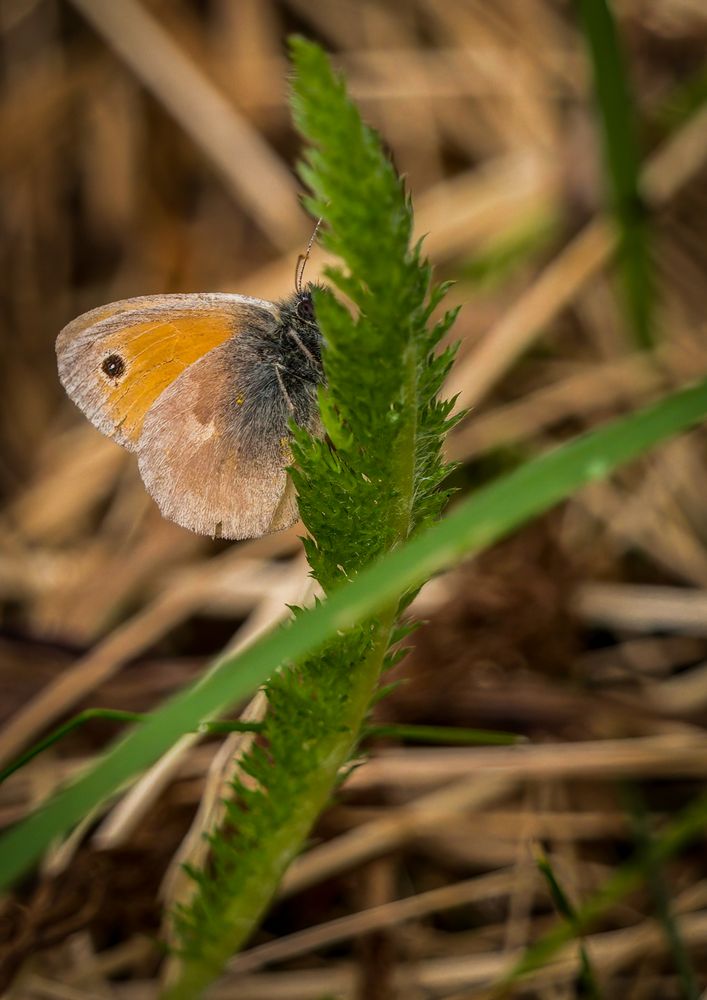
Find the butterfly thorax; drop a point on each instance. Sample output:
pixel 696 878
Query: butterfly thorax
pixel 276 368
pixel 300 339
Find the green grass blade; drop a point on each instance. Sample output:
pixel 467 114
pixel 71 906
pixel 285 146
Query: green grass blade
pixel 622 161
pixel 655 879
pixel 449 735
pixel 587 985
pixel 689 825
pixel 107 714
pixel 476 523
pixel 112 715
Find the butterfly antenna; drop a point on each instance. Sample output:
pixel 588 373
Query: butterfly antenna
pixel 304 257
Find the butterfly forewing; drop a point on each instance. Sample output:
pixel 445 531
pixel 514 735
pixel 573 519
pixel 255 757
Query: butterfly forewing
pixel 115 361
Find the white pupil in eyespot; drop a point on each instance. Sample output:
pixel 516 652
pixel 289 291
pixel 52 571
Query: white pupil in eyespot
pixel 113 366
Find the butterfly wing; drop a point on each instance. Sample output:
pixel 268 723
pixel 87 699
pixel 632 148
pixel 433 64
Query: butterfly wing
pixel 115 361
pixel 215 444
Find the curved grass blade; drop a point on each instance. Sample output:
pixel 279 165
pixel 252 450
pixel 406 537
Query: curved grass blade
pixel 473 525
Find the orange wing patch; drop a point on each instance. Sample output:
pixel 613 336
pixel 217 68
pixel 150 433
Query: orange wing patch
pixel 154 355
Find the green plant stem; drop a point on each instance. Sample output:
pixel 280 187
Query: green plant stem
pixel 247 907
pixel 284 843
pixel 474 524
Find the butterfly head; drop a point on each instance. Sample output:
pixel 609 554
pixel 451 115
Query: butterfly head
pixel 304 306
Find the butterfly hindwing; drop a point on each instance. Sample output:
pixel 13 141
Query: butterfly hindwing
pixel 223 473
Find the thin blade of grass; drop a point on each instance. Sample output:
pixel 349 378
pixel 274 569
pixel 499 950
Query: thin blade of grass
pixel 476 523
pixel 112 715
pixel 587 985
pixel 621 156
pixel 655 879
pixel 689 825
pixel 449 735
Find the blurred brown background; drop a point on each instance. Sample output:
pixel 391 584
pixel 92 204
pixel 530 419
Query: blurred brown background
pixel 147 148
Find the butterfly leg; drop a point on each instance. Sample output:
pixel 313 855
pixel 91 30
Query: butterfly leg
pixel 278 369
pixel 307 353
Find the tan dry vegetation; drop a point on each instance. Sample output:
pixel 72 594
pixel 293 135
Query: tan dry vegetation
pixel 146 147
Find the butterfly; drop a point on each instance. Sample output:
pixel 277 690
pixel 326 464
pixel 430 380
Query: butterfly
pixel 203 387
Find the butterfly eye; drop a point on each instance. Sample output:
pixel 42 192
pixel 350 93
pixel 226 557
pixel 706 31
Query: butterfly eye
pixel 305 308
pixel 113 366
